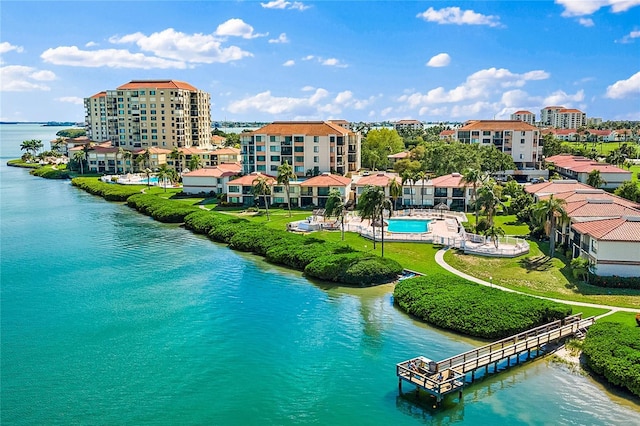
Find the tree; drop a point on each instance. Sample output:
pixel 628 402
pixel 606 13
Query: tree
pixel 472 176
pixel 285 175
pixel 335 207
pixel 31 146
pixel 421 176
pixel 164 173
pixel 127 156
pixel 144 158
pixel 595 179
pixel 176 155
pixel 371 205
pixel 580 268
pixel 409 177
pixel 395 191
pixel 629 190
pixel 547 211
pixel 378 144
pixel 78 156
pixel 195 162
pixel 262 188
pixel 494 232
pixel 119 153
pixel 489 199
pixel 58 143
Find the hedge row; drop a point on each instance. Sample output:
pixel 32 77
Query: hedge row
pixel 615 282
pixel 108 191
pixel 612 350
pixel 317 258
pixel 454 303
pixel 49 172
pixel 159 208
pixel 19 163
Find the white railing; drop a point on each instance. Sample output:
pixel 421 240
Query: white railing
pixel 431 213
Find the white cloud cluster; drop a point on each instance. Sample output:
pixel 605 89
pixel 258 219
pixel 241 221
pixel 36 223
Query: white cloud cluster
pixel 282 38
pixel 316 104
pixel 586 22
pixel 330 62
pixel 19 78
pixel 588 7
pixel 71 100
pixel 439 60
pixel 455 15
pixel 624 88
pixel 164 50
pixel 289 63
pixel 282 4
pixel 629 37
pixel 5 47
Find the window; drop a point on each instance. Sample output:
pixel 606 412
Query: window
pixel 298 148
pixel 299 159
pixel 298 139
pixel 272 139
pixel 299 169
pixel 274 148
pixel 316 159
pixel 521 141
pixel 316 149
pixel 260 148
pixel 316 139
pixel 261 168
pixel 261 158
pixel 258 138
pixel 274 167
pixel 152 92
pixel 275 158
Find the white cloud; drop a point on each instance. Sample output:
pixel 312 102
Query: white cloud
pixel 113 58
pixel 560 97
pixel 439 60
pixel 586 22
pixel 629 37
pixel 71 99
pixel 237 28
pixel 308 58
pixel 178 46
pixel 623 88
pixel 316 103
pixel 91 44
pixel 333 62
pixel 480 84
pixel 289 63
pixel 581 8
pixel 455 15
pixel 282 4
pixel 282 38
pixel 18 78
pixel 5 47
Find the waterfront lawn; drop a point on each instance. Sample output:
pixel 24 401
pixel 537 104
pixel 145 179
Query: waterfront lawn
pixel 587 311
pixel 536 273
pixel 25 165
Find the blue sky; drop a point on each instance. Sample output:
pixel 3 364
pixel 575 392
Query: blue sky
pixel 317 60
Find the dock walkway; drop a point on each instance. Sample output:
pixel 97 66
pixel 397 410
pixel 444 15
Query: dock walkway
pixel 449 375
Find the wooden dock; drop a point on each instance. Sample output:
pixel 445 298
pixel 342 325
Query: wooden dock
pixel 449 375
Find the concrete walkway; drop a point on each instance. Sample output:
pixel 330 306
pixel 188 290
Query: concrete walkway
pixel 440 261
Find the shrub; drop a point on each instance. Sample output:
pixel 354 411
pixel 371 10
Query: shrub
pixel 108 191
pixel 354 268
pixel 49 172
pixel 612 350
pixel 616 282
pixel 451 302
pixel 161 209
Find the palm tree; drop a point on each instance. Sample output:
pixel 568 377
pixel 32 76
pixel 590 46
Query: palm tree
pixel 195 163
pixel 31 146
pixel 547 211
pixel 408 177
pixel 127 156
pixel 57 144
pixel 335 207
pixel 371 205
pixel 489 199
pixel 175 155
pixel 261 187
pixel 78 156
pixel 395 191
pixel 120 154
pixel 164 173
pixel 421 175
pixel 595 179
pixel 285 175
pixel 472 176
pixel 494 232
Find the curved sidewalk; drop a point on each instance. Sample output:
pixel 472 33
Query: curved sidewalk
pixel 440 261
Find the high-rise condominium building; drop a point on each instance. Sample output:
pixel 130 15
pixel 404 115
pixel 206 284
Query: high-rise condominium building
pixel 562 118
pixel 310 147
pixel 150 113
pixel 526 116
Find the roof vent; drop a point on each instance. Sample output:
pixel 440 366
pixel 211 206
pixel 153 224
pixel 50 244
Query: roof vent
pixel 326 174
pixel 380 174
pixel 589 191
pixel 566 181
pixel 631 218
pixel 456 174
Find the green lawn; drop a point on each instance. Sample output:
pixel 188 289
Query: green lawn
pixel 628 318
pixel 536 273
pixel 587 311
pixel 509 223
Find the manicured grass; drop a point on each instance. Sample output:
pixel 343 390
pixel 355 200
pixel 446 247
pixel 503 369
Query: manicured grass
pixel 587 311
pixel 536 273
pixel 627 318
pixel 509 223
pixel 635 169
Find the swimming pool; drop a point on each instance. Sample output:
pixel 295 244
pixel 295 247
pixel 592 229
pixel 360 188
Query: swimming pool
pixel 408 225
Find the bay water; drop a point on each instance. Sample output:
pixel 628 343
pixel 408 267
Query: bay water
pixel 108 317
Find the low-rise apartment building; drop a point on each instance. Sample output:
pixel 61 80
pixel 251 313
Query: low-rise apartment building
pixel 210 179
pixel 408 125
pixel 579 168
pixel 523 115
pixel 310 147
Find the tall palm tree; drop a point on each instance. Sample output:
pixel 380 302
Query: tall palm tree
pixel 421 175
pixel 408 177
pixel 489 199
pixel 262 188
pixel 371 205
pixel 78 157
pixel 285 175
pixel 127 156
pixel 335 207
pixel 164 173
pixel 547 211
pixel 472 176
pixel 195 163
pixel 175 155
pixel 395 191
pixel 120 154
pixel 494 232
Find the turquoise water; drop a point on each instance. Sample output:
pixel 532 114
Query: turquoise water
pixel 408 225
pixel 108 317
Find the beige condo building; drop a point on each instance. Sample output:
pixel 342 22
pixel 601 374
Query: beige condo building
pixel 150 113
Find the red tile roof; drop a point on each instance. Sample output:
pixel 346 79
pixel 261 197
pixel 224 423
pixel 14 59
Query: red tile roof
pixel 408 122
pixel 378 179
pixel 247 180
pixel 590 194
pixel 583 164
pixel 555 187
pixel 312 128
pixel 497 125
pixel 226 151
pixel 403 154
pixel 454 180
pixel 152 150
pixel 523 112
pixel 622 229
pixel 447 133
pixel 567 110
pixel 193 151
pixel 157 84
pixel 325 180
pixel 216 172
pixel 100 95
pixel 598 207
